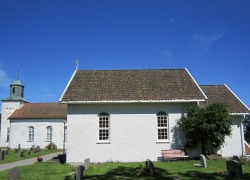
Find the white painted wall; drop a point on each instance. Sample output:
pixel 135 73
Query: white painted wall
pixel 233 145
pixel 8 107
pixel 19 132
pixel 133 132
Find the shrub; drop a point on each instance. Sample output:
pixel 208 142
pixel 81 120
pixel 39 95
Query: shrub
pixel 70 176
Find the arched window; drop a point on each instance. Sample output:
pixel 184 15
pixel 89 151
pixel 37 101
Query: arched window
pixel 31 133
pixel 104 127
pixel 162 126
pixel 49 133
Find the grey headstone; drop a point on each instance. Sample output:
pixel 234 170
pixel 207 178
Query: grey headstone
pixel 203 161
pixel 22 153
pixel 86 163
pixel 234 168
pixel 2 155
pixel 14 174
pixel 79 172
pixel 149 167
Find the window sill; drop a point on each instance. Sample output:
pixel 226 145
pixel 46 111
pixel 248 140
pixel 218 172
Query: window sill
pixel 103 142
pixel 30 141
pixel 162 141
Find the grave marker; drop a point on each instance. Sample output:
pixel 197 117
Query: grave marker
pixel 86 163
pixel 149 167
pixel 79 172
pixel 203 161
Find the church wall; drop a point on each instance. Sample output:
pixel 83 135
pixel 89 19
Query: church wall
pixel 19 132
pixel 133 132
pixel 8 107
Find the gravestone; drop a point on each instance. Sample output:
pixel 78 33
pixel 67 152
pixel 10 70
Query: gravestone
pixel 22 153
pixel 2 155
pixel 79 172
pixel 203 161
pixel 149 167
pixel 86 163
pixel 14 174
pixel 234 168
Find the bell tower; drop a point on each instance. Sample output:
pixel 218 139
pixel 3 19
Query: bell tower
pixel 9 105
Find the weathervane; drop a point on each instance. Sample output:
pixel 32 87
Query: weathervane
pixel 76 64
pixel 18 75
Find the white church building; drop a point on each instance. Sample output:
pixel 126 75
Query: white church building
pixel 25 124
pixel 117 115
pixel 131 115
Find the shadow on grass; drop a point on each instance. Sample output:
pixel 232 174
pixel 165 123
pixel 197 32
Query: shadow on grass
pixel 123 172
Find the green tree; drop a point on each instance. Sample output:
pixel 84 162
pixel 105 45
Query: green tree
pixel 206 126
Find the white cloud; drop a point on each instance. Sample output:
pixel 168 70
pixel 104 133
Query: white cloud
pixel 171 20
pixel 48 98
pixel 204 42
pixel 4 82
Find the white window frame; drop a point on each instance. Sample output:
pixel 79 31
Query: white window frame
pixel 162 123
pixel 31 136
pixel 103 128
pixel 49 133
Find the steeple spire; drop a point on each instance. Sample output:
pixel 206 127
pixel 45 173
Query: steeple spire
pixel 17 78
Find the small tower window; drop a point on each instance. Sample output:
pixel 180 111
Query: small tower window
pixel 13 90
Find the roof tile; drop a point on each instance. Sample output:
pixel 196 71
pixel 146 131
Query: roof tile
pixel 220 93
pixel 132 85
pixel 40 111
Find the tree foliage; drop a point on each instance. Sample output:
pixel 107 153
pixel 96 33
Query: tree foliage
pixel 207 126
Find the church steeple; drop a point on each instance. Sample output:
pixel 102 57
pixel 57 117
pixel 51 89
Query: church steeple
pixel 16 91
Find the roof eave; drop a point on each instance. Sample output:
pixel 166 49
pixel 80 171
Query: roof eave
pixel 241 114
pixel 67 85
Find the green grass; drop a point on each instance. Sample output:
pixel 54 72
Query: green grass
pixel 163 170
pixel 12 156
pixel 41 171
pixel 177 170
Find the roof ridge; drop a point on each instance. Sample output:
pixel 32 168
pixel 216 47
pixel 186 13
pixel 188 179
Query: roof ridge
pixel 155 69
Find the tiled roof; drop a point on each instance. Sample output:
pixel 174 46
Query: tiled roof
pixel 221 93
pixel 40 111
pixel 132 85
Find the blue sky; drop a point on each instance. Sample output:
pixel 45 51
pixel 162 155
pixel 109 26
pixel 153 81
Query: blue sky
pixel 43 38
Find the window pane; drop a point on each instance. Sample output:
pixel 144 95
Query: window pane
pixel 162 124
pixel 103 126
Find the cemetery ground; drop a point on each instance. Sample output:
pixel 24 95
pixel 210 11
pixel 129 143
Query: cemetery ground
pixel 171 170
pixel 16 156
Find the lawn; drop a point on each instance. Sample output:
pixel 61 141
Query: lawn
pixel 12 156
pixel 163 170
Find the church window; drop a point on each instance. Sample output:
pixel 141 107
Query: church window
pixel 162 126
pixel 49 133
pixel 104 131
pixel 13 90
pixel 31 133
